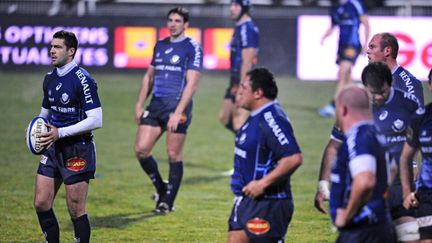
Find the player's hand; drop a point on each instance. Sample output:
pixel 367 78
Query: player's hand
pixel 138 114
pixel 254 189
pixel 411 201
pixel 319 202
pixel 341 218
pixel 48 138
pixel 173 122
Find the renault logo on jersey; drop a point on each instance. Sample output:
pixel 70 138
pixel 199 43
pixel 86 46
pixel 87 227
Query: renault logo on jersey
pixel 398 126
pixel 65 98
pixel 383 115
pixel 175 59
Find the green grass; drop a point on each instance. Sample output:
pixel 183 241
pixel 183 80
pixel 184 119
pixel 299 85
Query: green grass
pixel 119 199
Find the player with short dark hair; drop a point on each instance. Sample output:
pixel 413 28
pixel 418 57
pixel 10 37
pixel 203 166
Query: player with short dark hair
pixel 243 56
pixel 419 138
pixel 266 155
pixel 72 107
pixel 173 77
pixel 347 14
pixel 360 176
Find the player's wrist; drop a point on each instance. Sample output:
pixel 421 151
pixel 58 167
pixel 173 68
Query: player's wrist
pixel 324 188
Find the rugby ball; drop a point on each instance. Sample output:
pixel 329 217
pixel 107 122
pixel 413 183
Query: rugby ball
pixel 35 128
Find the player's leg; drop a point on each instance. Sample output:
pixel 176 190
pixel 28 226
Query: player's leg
pixel 174 145
pixel 146 138
pixel 344 75
pixel 76 198
pixel 45 191
pixel 237 236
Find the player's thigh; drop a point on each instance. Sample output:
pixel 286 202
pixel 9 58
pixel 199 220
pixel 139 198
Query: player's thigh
pixel 174 145
pixel 45 191
pixel 76 198
pixel 237 236
pixel 146 137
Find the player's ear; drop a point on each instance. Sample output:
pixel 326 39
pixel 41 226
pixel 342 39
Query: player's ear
pixel 71 51
pixel 259 93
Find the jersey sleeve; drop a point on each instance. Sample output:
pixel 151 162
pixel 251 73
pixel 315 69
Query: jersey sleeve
pixel 195 56
pixel 358 6
pixel 152 63
pixel 249 36
pixel 279 136
pixel 337 135
pixel 45 101
pixel 87 89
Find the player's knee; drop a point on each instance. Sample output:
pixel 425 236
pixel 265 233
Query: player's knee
pixel 41 205
pixel 141 152
pixel 174 155
pixel 408 231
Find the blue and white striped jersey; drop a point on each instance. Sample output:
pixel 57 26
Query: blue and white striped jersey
pixel 362 141
pixel 347 17
pixel 246 35
pixel 171 60
pixel 69 96
pixel 264 139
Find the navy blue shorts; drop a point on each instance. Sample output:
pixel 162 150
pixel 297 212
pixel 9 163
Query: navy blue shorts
pixel 267 219
pixel 376 233
pixel 70 159
pixel 424 212
pixel 348 53
pixel 396 203
pixel 159 110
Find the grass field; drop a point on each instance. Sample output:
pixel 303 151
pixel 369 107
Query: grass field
pixel 119 199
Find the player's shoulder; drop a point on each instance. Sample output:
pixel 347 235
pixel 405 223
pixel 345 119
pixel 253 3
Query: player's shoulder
pixel 274 115
pixel 192 43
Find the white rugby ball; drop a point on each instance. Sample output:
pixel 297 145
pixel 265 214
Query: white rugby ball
pixel 35 128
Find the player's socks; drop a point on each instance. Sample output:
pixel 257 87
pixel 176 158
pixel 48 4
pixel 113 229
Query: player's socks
pixel 49 225
pixel 150 166
pixel 82 229
pixel 174 181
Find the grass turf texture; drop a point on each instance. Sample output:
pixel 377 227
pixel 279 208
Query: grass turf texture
pixel 119 202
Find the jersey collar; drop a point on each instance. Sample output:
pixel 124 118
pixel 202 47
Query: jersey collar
pixel 62 71
pixel 263 107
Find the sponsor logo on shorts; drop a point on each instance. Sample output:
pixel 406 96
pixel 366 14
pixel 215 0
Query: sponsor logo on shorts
pixel 43 159
pixel 76 164
pixel 258 226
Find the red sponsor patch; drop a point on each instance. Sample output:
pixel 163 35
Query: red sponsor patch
pixel 258 226
pixel 76 164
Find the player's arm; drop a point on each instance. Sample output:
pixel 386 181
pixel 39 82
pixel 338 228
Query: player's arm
pixel 192 77
pixel 328 32
pixel 323 190
pixel 286 167
pixel 407 156
pixel 146 87
pixel 248 57
pixel 363 171
pixel 365 21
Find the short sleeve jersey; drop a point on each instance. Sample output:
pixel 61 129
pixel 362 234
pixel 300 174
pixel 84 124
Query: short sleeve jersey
pixel 69 96
pixel 421 138
pixel 264 139
pixel 347 17
pixel 363 139
pixel 405 81
pixel 394 117
pixel 246 35
pixel 171 60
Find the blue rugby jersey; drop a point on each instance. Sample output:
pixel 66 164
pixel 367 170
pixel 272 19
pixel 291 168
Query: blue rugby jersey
pixel 394 117
pixel 405 81
pixel 246 35
pixel 171 60
pixel 347 17
pixel 422 139
pixel 362 139
pixel 265 138
pixel 69 96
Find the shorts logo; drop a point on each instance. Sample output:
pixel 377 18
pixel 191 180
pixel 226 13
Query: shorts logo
pixel 258 226
pixel 145 114
pixel 43 159
pixel 183 118
pixel 76 164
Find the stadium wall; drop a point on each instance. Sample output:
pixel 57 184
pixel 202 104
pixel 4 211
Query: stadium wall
pixel 118 44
